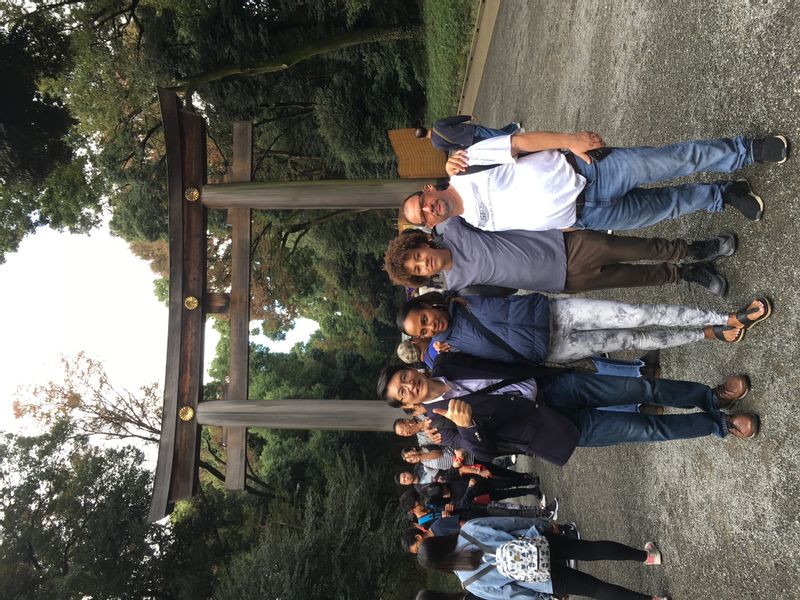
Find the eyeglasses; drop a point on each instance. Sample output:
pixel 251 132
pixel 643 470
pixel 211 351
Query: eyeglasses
pixel 423 214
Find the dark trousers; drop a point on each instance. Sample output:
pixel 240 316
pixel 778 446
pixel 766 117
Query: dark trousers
pixel 497 493
pixel 597 261
pixel 567 581
pixel 498 471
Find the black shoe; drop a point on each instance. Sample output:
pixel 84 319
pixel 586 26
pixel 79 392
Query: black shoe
pixel 772 149
pixel 531 480
pixel 740 196
pixel 551 510
pixel 705 275
pixel 571 530
pixel 717 247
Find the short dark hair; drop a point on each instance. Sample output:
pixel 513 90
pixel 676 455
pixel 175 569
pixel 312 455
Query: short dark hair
pixel 401 213
pixel 434 493
pixel 420 132
pixel 409 499
pixel 408 449
pixel 383 383
pixel 429 300
pixel 397 477
pixel 396 423
pixel 409 537
pixel 397 253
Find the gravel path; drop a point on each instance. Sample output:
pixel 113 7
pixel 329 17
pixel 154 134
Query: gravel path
pixel 725 513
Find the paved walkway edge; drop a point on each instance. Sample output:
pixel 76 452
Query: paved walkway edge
pixel 481 40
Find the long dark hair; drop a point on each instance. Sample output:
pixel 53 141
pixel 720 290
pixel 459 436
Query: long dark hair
pixel 431 595
pixel 430 300
pixel 439 553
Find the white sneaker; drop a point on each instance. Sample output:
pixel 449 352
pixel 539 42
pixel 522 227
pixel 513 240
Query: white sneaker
pixel 653 554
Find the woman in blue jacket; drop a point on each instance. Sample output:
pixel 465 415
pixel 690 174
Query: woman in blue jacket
pixel 456 553
pixel 535 328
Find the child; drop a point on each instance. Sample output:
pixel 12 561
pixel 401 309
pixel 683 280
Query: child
pixel 454 133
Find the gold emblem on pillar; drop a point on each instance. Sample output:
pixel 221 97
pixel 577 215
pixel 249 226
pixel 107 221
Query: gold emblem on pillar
pixel 186 413
pixel 191 302
pixel 192 194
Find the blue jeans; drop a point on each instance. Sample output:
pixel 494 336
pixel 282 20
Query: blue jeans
pixel 619 368
pixel 484 133
pixel 578 396
pixel 615 200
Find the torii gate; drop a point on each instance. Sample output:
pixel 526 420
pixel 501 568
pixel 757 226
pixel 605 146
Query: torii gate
pixel 189 198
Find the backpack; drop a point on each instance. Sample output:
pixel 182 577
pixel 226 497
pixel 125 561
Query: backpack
pixel 523 559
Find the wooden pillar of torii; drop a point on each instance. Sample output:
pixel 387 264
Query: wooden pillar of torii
pixel 184 410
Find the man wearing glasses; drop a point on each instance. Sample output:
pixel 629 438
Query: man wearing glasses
pixel 525 181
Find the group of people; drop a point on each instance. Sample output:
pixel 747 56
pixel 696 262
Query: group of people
pixel 532 211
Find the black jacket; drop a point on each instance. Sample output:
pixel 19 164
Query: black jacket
pixel 505 424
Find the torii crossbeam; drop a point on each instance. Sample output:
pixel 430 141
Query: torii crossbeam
pixel 189 301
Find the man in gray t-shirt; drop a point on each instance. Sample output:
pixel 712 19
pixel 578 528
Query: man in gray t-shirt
pixel 551 261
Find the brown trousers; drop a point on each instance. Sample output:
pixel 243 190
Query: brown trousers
pixel 597 261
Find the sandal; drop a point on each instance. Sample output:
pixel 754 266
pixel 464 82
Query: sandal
pixel 743 314
pixel 717 330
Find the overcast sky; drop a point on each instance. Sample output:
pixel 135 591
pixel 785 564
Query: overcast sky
pixel 63 294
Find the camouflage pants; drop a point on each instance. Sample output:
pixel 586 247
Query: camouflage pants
pixel 581 327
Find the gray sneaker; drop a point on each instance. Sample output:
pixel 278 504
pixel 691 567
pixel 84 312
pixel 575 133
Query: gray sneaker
pixel 705 275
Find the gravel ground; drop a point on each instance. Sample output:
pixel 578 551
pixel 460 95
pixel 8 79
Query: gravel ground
pixel 724 512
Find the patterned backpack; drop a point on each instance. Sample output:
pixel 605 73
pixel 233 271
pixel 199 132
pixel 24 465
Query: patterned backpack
pixel 522 559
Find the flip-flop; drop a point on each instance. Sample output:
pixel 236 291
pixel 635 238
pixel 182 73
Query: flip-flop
pixel 742 315
pixel 718 329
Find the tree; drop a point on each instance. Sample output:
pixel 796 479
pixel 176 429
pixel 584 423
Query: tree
pixel 43 180
pixel 291 57
pixel 73 519
pixel 97 408
pixel 73 524
pixel 347 546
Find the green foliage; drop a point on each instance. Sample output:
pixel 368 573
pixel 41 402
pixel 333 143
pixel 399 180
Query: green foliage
pixel 346 548
pixel 448 34
pixel 73 520
pixel 73 525
pixel 42 180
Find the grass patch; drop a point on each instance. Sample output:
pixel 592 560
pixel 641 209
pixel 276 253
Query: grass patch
pixel 448 34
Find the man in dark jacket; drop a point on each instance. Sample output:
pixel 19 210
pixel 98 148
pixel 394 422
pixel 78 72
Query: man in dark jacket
pixel 490 413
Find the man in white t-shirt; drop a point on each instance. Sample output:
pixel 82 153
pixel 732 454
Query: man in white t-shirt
pixel 524 181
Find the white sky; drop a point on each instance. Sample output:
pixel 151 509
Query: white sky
pixel 61 294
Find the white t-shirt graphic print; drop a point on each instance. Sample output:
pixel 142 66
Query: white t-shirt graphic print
pixel 535 193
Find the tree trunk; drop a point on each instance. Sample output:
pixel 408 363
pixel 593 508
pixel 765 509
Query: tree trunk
pixel 292 57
